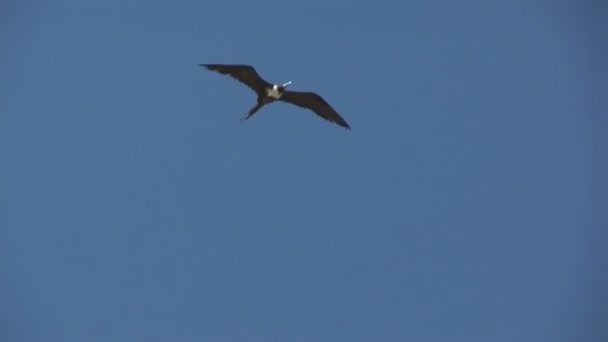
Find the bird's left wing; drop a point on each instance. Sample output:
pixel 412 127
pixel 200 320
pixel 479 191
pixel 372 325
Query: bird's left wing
pixel 315 103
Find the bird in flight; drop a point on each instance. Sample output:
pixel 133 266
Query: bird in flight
pixel 268 93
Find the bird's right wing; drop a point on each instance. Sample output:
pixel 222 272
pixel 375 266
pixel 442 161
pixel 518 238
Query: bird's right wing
pixel 245 74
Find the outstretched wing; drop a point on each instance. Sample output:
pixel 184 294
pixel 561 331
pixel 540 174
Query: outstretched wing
pixel 245 74
pixel 315 103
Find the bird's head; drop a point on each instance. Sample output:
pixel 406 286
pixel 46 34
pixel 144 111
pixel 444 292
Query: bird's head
pixel 285 85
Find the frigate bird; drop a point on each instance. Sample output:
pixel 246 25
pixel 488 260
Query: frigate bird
pixel 268 93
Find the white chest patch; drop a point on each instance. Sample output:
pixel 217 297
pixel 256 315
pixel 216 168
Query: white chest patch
pixel 274 92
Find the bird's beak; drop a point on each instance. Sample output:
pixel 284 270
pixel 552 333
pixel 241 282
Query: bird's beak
pixel 286 84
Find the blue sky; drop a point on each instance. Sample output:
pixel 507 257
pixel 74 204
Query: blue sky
pixel 466 204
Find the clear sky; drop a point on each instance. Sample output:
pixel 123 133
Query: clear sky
pixel 466 204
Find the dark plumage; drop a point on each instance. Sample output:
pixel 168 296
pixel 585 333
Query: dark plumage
pixel 268 92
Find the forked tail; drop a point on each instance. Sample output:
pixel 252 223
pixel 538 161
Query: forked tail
pixel 252 111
